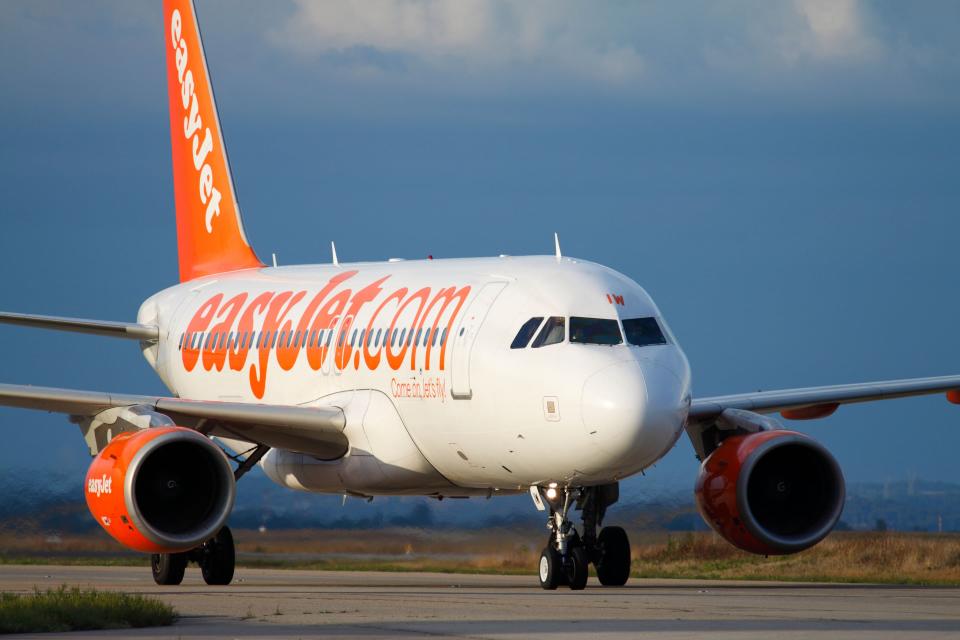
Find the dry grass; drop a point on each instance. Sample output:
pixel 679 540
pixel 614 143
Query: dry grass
pixel 904 558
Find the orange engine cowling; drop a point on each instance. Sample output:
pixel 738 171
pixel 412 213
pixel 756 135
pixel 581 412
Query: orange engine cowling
pixel 161 490
pixel 771 492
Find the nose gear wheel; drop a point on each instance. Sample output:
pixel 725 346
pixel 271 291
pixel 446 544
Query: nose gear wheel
pixel 566 558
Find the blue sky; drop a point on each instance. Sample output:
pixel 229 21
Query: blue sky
pixel 782 177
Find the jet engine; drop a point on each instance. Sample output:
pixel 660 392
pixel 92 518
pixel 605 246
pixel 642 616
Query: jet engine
pixel 771 492
pixel 161 490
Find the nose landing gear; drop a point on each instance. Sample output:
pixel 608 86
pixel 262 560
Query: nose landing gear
pixel 567 556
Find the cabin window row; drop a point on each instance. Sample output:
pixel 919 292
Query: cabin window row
pixel 376 338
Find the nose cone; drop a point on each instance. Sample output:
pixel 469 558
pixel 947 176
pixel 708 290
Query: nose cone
pixel 633 412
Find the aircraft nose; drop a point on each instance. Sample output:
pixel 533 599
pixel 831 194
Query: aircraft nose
pixel 633 411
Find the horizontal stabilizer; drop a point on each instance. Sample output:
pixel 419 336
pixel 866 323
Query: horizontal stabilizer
pixel 130 330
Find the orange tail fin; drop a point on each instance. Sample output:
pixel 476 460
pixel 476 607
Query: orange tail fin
pixel 210 237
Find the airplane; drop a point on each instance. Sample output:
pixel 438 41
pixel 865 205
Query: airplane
pixel 474 377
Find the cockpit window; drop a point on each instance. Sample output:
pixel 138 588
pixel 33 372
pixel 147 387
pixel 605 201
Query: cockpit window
pixel 595 331
pixel 526 332
pixel 642 332
pixel 552 332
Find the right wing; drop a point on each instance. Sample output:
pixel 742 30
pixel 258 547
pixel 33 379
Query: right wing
pixel 130 330
pixel 317 431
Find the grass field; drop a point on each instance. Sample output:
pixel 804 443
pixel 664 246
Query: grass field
pixel 897 558
pixel 77 609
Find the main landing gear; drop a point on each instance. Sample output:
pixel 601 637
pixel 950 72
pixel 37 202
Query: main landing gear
pixel 567 557
pixel 216 558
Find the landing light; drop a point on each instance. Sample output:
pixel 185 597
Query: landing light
pixel 552 493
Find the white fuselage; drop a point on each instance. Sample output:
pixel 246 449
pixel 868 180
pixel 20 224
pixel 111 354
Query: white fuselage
pixel 418 355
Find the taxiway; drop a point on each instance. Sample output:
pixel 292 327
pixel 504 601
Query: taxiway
pixel 360 605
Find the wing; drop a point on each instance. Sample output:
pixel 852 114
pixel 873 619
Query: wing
pixel 710 418
pixel 130 330
pixel 815 402
pixel 317 431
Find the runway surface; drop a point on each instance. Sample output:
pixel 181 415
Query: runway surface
pixel 358 605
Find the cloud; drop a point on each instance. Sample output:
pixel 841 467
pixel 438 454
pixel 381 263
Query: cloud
pixel 653 48
pixel 473 36
pixel 831 29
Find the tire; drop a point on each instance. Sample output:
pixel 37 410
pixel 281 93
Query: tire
pixel 613 562
pixel 168 568
pixel 578 568
pixel 550 568
pixel 218 558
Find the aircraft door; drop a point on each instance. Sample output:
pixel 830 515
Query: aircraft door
pixel 465 336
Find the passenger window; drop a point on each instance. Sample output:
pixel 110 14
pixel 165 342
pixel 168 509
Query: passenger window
pixel 180 343
pixel 436 332
pixel 360 342
pixel 353 337
pixel 402 336
pixel 526 332
pixel 595 331
pixel 642 332
pixel 376 342
pixel 553 332
pixel 443 337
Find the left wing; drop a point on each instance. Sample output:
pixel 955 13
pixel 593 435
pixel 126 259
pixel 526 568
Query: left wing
pixel 317 431
pixel 109 328
pixel 711 420
pixel 817 402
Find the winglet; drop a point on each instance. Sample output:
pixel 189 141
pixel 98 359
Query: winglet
pixel 210 236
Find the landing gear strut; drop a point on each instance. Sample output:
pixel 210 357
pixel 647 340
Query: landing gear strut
pixel 566 558
pixel 216 558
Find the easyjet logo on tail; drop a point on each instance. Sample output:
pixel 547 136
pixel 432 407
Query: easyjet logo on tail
pixel 193 122
pixel 403 327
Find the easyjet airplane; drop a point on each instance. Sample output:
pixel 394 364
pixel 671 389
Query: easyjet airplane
pixel 441 378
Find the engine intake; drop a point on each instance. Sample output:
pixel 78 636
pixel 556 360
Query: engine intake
pixel 161 490
pixel 772 492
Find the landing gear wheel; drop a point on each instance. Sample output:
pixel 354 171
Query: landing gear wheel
pixel 217 558
pixel 551 568
pixel 578 567
pixel 613 561
pixel 168 568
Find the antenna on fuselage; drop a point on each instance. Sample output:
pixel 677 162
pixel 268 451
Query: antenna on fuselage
pixel 274 260
pixel 556 243
pixel 333 250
